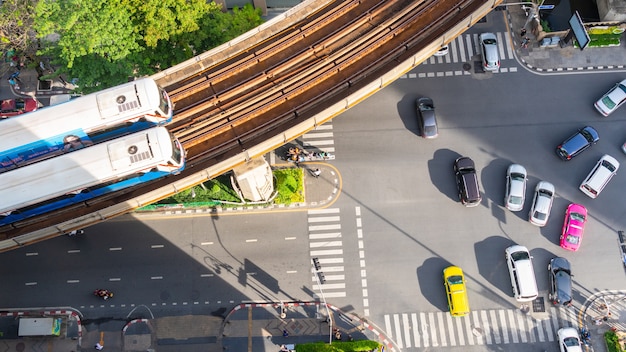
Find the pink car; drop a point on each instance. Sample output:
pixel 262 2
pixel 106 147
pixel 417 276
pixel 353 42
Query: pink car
pixel 573 227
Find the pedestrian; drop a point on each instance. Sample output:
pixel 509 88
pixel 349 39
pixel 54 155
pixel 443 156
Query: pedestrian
pixel 317 173
pixel 98 346
pixel 285 333
pixel 522 32
pixel 337 334
pixel 525 42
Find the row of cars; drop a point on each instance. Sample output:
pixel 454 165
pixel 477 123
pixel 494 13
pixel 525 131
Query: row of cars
pixel 523 281
pixel 543 197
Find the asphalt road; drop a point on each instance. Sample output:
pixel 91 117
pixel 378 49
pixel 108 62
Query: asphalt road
pixel 399 219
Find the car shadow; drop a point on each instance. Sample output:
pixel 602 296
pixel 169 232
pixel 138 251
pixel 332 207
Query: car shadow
pixel 430 281
pixel 492 179
pixel 441 172
pixel 407 110
pixel 491 262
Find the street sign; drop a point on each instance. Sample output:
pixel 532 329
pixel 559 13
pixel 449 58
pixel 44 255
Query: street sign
pixel 546 7
pixel 578 28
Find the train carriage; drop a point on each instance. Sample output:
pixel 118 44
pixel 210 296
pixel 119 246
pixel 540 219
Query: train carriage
pixel 76 177
pixel 83 121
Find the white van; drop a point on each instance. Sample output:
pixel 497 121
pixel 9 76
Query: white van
pixel 599 176
pixel 522 274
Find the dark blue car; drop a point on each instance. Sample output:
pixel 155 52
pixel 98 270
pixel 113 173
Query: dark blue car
pixel 577 143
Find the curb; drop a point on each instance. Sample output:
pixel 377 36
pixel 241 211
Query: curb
pixel 134 321
pixel 382 338
pixel 181 210
pixel 558 70
pixel 68 312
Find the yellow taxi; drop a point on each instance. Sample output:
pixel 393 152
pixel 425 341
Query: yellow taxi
pixel 454 281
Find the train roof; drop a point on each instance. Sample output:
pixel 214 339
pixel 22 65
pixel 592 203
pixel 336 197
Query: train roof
pixel 84 168
pixel 94 111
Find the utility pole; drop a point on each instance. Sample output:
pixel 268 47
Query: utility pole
pixel 320 278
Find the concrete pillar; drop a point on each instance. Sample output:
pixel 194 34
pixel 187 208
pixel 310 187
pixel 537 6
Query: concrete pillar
pixel 260 4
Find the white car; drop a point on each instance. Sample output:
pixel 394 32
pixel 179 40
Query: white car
pixel 569 340
pixel 489 52
pixel 515 191
pixel 442 51
pixel 542 204
pixel 612 100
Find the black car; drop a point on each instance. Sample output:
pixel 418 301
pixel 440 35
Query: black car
pixel 577 143
pixel 426 117
pixel 467 181
pixel 560 273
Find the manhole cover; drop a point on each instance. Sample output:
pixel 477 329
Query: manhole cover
pixel 539 305
pixel 467 66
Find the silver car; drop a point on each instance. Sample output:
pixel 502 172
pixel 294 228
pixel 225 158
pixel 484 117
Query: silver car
pixel 426 117
pixel 542 204
pixel 489 52
pixel 515 192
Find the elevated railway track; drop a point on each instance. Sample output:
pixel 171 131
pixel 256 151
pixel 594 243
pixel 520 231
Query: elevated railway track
pixel 227 107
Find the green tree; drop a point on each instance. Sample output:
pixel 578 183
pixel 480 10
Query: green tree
pixel 16 26
pixel 103 43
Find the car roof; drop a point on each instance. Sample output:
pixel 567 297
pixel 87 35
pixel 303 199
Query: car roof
pixel 577 141
pixel 543 203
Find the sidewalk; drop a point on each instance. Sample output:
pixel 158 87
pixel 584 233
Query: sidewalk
pixel 611 304
pixel 262 327
pixel 29 85
pixel 557 59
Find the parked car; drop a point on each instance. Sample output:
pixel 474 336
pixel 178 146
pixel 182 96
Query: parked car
pixel 18 106
pixel 599 176
pixel 542 204
pixel 560 272
pixel 454 282
pixel 577 143
pixel 426 118
pixel 467 182
pixel 612 100
pixel 515 191
pixel 520 265
pixel 569 340
pixel 442 51
pixel 573 227
pixel 489 51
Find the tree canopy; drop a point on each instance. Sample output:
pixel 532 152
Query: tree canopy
pixel 16 26
pixel 103 43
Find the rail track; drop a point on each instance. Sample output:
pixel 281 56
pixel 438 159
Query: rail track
pixel 286 79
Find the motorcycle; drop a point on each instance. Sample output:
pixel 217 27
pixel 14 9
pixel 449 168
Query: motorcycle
pixel 104 294
pixel 585 336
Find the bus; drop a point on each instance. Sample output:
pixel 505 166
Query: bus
pixel 82 121
pixel 76 177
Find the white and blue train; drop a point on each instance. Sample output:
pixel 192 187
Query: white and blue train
pixel 72 178
pixel 83 121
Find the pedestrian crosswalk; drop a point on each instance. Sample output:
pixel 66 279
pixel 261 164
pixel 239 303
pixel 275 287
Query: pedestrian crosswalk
pixel 320 139
pixel 481 327
pixel 325 244
pixel 465 49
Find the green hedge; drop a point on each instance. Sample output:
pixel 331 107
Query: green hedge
pixel 289 183
pixel 338 346
pixel 612 342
